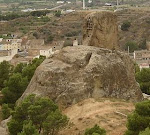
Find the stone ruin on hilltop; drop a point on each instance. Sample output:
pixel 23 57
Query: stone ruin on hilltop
pixel 101 30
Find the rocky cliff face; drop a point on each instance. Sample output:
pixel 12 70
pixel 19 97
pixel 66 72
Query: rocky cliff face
pixel 77 73
pixel 101 30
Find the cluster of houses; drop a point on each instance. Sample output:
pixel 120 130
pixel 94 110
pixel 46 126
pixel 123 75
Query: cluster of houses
pixel 10 44
pixel 24 50
pixel 142 57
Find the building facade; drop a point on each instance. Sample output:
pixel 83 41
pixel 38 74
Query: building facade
pixel 10 44
pixel 142 58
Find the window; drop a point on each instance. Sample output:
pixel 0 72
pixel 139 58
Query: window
pixel 89 24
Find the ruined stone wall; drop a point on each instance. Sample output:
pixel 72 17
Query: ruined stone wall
pixel 101 30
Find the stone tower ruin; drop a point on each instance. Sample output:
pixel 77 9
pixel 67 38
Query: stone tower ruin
pixel 101 30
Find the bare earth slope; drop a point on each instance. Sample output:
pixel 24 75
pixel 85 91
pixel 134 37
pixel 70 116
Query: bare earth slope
pixel 105 113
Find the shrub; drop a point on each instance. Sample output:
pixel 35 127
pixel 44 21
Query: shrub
pixel 35 34
pixel 57 13
pixel 125 26
pixel 96 130
pixel 50 38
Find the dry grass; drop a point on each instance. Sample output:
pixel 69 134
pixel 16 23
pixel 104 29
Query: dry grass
pixel 89 112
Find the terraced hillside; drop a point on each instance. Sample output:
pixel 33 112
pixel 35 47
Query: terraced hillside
pixel 69 26
pixel 140 25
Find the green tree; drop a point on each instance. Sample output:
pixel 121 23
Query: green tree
pixel 16 81
pixel 139 119
pixel 96 130
pixel 143 78
pixel 29 129
pixel 29 70
pixel 145 132
pixel 5 70
pixel 14 87
pixel 125 26
pixel 39 111
pixel 54 122
pixel 19 68
pixel 35 109
pixel 6 111
pixel 132 46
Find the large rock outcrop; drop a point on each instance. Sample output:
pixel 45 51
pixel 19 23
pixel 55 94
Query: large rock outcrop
pixel 101 30
pixel 77 73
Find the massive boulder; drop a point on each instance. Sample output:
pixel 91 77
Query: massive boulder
pixel 80 72
pixel 101 30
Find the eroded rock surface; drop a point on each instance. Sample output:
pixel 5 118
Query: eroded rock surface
pixel 101 30
pixel 80 72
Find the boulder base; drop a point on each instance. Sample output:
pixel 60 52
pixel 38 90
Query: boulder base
pixel 80 72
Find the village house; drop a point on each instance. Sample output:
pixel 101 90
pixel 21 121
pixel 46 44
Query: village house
pixel 37 47
pixel 142 57
pixel 9 48
pixel 10 44
pixel 7 55
pixel 47 52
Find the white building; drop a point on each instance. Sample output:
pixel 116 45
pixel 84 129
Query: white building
pixel 10 44
pixel 89 1
pixel 60 2
pixel 143 65
pixel 46 52
pixel 142 58
pixel 75 42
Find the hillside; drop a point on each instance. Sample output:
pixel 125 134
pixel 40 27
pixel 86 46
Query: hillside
pixel 106 113
pixel 69 26
pixel 140 25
